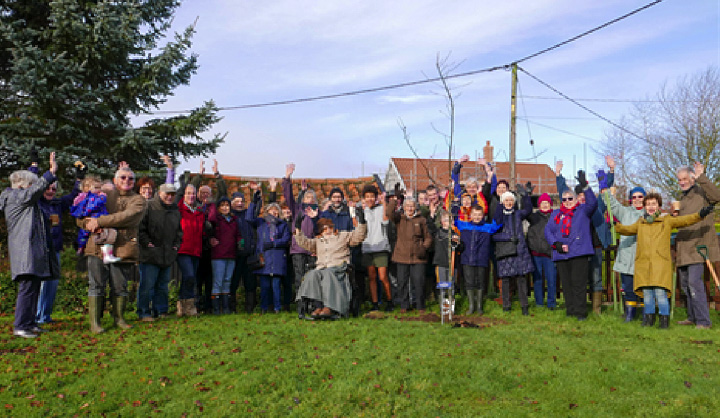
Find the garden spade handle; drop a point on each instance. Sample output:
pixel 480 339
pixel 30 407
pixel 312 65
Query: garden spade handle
pixel 703 251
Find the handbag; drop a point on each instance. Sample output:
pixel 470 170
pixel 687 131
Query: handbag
pixel 505 249
pixel 256 261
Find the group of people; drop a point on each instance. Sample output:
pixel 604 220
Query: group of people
pixel 317 254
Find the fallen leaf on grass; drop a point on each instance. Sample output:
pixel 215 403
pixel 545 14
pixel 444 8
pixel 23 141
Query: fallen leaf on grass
pixel 688 384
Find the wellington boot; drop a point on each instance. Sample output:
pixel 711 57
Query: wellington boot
pixel 225 303
pixel 648 320
pixel 479 302
pixel 629 313
pixel 180 308
pixel 215 302
pixel 471 302
pixel 250 301
pixel 107 253
pixel 118 306
pixel 95 308
pixel 664 321
pixel 189 307
pixel 596 302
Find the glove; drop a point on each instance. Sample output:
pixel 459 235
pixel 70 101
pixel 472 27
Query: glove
pixel 558 247
pixel 582 181
pixel 360 214
pixel 34 158
pixel 521 190
pixel 706 211
pixel 602 179
pixel 80 170
pixel 268 245
pixel 298 221
pixel 529 187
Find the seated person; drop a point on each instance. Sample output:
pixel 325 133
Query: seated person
pixel 327 285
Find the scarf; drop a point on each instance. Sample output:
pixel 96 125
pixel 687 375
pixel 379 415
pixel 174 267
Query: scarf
pixel 650 218
pixel 564 218
pixel 272 225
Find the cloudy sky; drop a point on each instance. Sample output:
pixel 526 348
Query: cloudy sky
pixel 256 52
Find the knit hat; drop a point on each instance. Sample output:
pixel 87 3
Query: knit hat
pixel 544 198
pixel 238 195
pixel 336 190
pixel 506 195
pixel 222 199
pixel 637 189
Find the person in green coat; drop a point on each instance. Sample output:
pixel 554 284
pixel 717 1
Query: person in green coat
pixel 653 260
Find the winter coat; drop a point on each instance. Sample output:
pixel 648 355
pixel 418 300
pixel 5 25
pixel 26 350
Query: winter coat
pixel 30 243
pixel 308 224
pixel 247 233
pixel 340 216
pixel 625 254
pixel 521 263
pixel 579 241
pixel 125 211
pixel 602 235
pixel 192 224
pixel 376 239
pixel 162 227
pixel 536 233
pixel 440 236
pixel 702 193
pixel 57 206
pixel 226 231
pixel 333 250
pixel 93 205
pixel 476 242
pixel 273 240
pixel 413 236
pixel 653 260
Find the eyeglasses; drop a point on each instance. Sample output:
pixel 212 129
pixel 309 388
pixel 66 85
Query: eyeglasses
pixel 568 199
pixel 52 189
pixel 129 178
pixel 638 196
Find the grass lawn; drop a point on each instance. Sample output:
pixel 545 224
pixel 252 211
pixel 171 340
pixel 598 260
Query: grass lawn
pixel 541 365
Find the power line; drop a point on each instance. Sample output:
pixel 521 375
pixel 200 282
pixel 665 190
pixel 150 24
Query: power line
pixel 582 106
pixel 560 130
pixel 613 100
pixel 418 82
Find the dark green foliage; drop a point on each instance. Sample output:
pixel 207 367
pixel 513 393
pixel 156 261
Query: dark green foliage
pixel 73 74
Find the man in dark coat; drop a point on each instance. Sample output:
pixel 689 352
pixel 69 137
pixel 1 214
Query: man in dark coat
pixel 160 236
pixel 30 242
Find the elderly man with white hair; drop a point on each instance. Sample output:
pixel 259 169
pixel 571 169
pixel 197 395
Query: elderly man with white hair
pixel 125 211
pixel 698 191
pixel 32 257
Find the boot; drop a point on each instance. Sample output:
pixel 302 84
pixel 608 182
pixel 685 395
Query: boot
pixel 596 302
pixel 648 320
pixel 95 308
pixel 180 308
pixel 389 306
pixel 525 311
pixel 664 321
pixel 107 253
pixel 118 305
pixel 189 309
pixel 232 303
pixel 215 302
pixel 471 302
pixel 225 303
pixel 250 298
pixel 375 306
pixel 629 313
pixel 479 302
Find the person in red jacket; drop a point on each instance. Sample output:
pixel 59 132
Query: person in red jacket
pixel 224 247
pixel 192 222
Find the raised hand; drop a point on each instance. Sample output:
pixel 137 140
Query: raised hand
pixel 610 161
pixel 289 170
pixel 272 181
pixel 699 169
pixel 215 167
pixel 168 161
pixel 53 163
pixel 558 167
pixel 123 164
pixel 202 167
pixel 464 158
pixel 602 179
pixel 303 184
pixel 582 180
pixel 529 187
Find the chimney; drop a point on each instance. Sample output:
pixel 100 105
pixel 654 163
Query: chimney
pixel 488 152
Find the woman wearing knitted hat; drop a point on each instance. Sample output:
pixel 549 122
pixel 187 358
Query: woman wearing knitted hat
pixel 568 232
pixel 541 252
pixel 513 264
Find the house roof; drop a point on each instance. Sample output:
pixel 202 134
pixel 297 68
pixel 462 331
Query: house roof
pixel 352 187
pixel 414 173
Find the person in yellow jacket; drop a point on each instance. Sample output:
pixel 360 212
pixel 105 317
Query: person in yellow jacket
pixel 653 261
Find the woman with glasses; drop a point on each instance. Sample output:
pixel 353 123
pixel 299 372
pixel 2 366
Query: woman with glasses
pixel 568 232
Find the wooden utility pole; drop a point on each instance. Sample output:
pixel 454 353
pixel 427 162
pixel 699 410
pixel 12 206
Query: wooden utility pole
pixel 513 107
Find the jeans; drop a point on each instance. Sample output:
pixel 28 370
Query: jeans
pixel 46 300
pixel 545 265
pixel 26 305
pixel 269 287
pixel 596 271
pixel 650 295
pixel 222 275
pixel 691 281
pixel 188 266
pixel 152 289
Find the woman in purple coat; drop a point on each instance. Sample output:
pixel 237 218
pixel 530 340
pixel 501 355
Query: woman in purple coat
pixel 519 264
pixel 568 232
pixel 273 240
